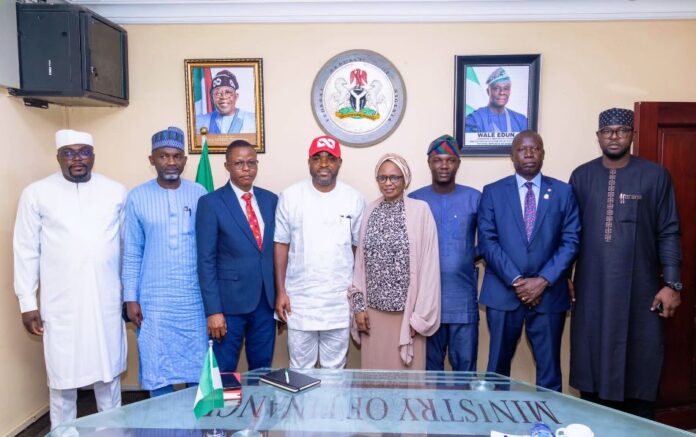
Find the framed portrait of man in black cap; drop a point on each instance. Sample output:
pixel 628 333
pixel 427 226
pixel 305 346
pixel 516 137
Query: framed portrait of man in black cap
pixel 224 103
pixel 496 98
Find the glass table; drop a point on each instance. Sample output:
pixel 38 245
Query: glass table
pixel 369 403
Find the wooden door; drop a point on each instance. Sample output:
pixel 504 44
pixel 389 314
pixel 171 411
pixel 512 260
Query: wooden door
pixel 666 134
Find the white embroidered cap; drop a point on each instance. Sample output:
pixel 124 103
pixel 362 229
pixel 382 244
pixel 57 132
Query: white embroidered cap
pixel 68 137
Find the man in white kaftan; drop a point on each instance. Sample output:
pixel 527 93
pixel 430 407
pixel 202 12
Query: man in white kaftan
pixel 67 242
pixel 317 225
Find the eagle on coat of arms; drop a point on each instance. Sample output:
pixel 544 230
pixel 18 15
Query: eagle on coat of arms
pixel 357 99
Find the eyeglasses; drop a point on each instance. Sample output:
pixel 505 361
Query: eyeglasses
pixel 394 179
pixel 223 93
pixel 621 132
pixel 72 154
pixel 252 163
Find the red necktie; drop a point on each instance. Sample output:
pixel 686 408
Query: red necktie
pixel 253 221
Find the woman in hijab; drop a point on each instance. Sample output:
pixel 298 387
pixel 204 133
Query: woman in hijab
pixel 395 296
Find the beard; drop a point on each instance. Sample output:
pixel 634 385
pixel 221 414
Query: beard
pixel 77 178
pixel 324 181
pixel 81 178
pixel 616 155
pixel 170 177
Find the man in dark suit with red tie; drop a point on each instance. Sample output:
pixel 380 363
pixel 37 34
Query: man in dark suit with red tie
pixel 528 233
pixel 234 233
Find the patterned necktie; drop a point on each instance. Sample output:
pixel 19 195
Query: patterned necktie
pixel 253 221
pixel 529 210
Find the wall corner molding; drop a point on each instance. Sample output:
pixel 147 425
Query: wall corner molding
pixel 386 11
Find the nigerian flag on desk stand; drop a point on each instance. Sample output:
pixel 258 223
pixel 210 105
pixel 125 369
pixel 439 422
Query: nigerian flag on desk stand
pixel 209 395
pixel 204 175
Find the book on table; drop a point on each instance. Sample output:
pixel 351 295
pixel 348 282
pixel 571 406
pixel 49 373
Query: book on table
pixel 231 386
pixel 289 380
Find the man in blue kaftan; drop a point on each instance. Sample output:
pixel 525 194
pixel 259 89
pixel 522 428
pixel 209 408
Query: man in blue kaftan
pixel 160 284
pixel 454 208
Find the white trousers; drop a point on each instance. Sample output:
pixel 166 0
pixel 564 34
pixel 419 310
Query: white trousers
pixel 329 347
pixel 63 403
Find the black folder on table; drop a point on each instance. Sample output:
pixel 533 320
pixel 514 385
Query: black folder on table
pixel 289 380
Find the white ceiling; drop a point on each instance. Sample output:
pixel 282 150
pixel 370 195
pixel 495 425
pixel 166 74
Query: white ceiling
pixel 337 11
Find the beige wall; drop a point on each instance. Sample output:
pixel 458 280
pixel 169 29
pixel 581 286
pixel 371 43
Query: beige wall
pixel 586 67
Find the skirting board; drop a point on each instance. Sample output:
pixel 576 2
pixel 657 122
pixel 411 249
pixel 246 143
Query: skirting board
pixel 44 409
pixel 28 421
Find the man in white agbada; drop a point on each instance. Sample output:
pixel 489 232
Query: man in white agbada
pixel 67 242
pixel 317 224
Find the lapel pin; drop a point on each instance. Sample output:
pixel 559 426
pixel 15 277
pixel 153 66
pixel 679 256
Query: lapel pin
pixel 546 196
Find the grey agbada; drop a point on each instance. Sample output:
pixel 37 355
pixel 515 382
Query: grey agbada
pixel 630 233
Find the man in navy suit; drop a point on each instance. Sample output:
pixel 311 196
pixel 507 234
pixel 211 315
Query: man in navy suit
pixel 234 231
pixel 528 230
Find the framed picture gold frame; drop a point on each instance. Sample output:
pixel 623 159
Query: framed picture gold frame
pixel 225 98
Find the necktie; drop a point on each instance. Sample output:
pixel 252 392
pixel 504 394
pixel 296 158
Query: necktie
pixel 253 221
pixel 529 210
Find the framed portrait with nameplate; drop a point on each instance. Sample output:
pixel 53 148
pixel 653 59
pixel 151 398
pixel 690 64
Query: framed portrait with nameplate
pixel 496 98
pixel 224 97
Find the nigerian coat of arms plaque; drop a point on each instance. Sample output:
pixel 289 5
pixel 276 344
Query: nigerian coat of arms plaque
pixel 358 97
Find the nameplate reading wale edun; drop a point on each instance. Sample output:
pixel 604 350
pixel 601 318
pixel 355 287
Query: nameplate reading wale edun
pixel 289 380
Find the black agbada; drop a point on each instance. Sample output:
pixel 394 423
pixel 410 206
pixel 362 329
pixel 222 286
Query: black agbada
pixel 630 234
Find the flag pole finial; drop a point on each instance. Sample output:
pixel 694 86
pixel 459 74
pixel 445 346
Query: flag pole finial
pixel 204 131
pixel 210 343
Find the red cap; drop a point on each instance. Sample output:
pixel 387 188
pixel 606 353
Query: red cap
pixel 325 144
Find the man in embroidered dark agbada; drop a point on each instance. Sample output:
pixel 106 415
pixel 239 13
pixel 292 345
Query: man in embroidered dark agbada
pixel 630 233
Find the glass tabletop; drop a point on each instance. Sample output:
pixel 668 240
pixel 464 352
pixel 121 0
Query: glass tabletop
pixel 369 403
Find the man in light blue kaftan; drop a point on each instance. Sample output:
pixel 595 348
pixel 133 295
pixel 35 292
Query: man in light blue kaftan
pixel 160 283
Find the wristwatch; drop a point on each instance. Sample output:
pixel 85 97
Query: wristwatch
pixel 676 286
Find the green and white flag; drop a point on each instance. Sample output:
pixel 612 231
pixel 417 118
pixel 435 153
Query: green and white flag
pixel 476 96
pixel 209 395
pixel 202 78
pixel 204 174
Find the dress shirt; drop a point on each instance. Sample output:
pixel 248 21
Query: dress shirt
pixel 522 189
pixel 254 204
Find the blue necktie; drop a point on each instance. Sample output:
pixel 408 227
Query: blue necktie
pixel 529 210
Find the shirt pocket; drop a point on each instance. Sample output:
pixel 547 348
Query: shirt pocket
pixel 627 212
pixel 188 222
